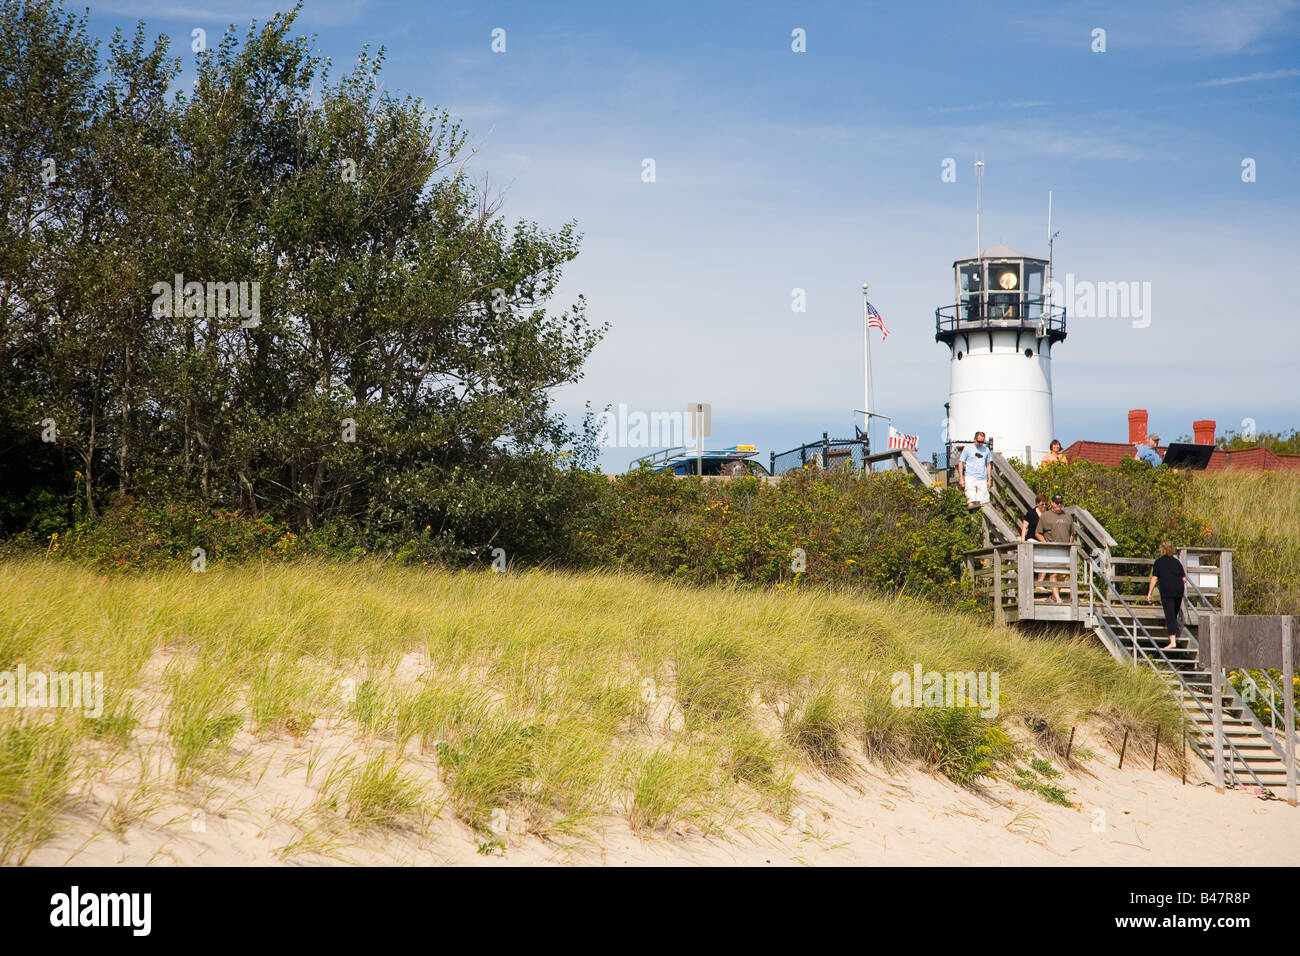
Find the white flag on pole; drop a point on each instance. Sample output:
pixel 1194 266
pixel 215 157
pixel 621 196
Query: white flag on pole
pixel 898 440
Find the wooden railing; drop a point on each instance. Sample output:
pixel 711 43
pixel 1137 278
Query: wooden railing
pixel 904 459
pixel 1120 626
pixel 1209 578
pixel 1005 571
pixel 1011 496
pixel 1210 570
pixel 1008 573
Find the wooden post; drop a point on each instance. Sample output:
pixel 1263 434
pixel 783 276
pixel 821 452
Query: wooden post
pixel 1216 691
pixel 999 616
pixel 1074 582
pixel 1155 759
pixel 1069 746
pixel 1025 596
pixel 1122 748
pixel 1225 582
pixel 1288 686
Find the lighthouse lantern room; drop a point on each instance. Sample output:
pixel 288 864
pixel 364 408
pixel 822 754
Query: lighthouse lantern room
pixel 1000 331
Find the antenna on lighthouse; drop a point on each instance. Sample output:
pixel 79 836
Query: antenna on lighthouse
pixel 1051 241
pixel 979 191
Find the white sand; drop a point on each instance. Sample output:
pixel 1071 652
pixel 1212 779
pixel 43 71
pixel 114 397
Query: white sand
pixel 908 817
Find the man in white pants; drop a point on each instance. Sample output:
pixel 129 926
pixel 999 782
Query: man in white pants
pixel 973 472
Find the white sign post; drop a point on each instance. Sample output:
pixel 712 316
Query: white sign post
pixel 699 422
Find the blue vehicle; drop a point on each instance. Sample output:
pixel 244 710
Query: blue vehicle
pixel 734 461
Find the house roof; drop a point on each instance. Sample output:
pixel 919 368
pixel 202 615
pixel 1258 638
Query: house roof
pixel 1252 459
pixel 1101 452
pixel 1245 459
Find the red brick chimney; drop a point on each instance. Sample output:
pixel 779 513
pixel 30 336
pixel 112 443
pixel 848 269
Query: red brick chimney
pixel 1137 425
pixel 1204 431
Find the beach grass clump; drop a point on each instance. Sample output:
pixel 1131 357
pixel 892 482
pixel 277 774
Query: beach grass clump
pixel 285 695
pixel 374 706
pixel 377 792
pixel 490 765
pixel 382 794
pixel 960 744
pixel 669 786
pixel 36 775
pixel 814 726
pixel 203 715
pixel 714 678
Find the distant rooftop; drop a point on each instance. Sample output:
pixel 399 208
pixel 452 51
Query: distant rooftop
pixel 1242 459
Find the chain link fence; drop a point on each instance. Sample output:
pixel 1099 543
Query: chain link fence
pixel 826 454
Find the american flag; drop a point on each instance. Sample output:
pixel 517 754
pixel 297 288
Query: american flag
pixel 874 321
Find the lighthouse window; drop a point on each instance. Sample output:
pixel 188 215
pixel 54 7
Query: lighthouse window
pixel 1029 353
pixel 1033 292
pixel 971 287
pixel 1004 276
pixel 959 356
pixel 1033 279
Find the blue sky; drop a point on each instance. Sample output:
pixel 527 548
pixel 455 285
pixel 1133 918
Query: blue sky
pixel 821 170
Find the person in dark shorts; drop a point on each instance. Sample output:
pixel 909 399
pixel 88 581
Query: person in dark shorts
pixel 1056 527
pixel 1167 571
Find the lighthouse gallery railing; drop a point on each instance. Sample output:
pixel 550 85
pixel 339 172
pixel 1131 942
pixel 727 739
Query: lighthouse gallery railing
pixel 1031 312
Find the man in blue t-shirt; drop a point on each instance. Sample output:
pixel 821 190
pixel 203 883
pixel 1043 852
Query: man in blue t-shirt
pixel 1146 451
pixel 973 472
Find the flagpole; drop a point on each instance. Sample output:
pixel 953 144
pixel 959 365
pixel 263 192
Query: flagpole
pixel 866 367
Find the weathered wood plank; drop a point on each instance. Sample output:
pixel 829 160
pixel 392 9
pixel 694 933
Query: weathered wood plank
pixel 1255 640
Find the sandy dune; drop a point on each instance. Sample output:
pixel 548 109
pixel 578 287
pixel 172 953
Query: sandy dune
pixel 1134 817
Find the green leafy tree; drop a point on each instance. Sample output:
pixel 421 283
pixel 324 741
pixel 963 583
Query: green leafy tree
pixel 398 374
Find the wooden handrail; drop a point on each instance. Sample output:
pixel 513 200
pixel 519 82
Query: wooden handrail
pixel 1023 492
pixel 904 457
pixel 999 523
pixel 1094 527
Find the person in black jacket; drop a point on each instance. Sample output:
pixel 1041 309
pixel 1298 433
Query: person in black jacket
pixel 1167 571
pixel 1029 531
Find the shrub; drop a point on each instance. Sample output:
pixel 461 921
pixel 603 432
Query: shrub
pixel 959 743
pixel 885 533
pixel 1139 505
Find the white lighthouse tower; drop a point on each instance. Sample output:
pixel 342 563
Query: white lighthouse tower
pixel 1000 332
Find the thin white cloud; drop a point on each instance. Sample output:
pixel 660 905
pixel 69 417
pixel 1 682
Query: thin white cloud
pixel 1229 25
pixel 1216 26
pixel 1025 105
pixel 1249 78
pixel 321 12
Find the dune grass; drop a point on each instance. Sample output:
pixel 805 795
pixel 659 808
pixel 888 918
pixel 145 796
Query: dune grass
pixel 554 697
pixel 1259 513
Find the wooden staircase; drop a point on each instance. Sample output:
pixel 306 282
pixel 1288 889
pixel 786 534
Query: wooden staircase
pixel 1093 595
